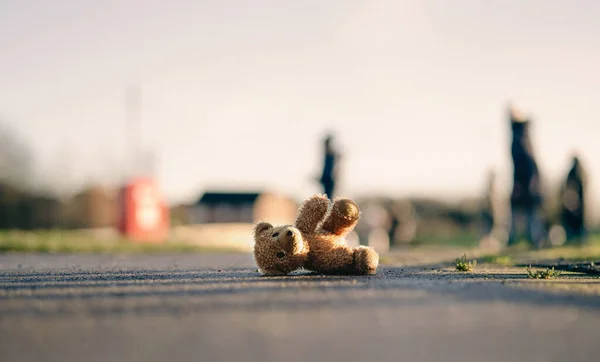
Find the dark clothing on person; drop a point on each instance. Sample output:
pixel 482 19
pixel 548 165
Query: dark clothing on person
pixel 328 176
pixel 573 202
pixel 328 166
pixel 526 190
pixel 328 187
pixel 526 195
pixel 534 229
pixel 489 209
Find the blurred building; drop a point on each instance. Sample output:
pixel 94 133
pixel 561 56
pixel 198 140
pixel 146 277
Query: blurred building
pixel 93 207
pixel 242 207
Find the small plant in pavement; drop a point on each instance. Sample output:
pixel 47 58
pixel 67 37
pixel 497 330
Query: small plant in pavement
pixel 462 264
pixel 549 273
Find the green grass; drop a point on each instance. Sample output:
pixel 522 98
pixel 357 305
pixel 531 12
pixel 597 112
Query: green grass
pixel 66 241
pixel 549 273
pixel 462 264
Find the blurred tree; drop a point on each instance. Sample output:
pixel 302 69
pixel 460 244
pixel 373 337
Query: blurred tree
pixel 20 207
pixel 16 159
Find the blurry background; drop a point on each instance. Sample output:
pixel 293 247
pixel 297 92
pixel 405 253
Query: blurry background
pixel 235 97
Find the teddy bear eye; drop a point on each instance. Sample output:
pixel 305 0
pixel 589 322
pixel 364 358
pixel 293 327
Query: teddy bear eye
pixel 280 255
pixel 275 235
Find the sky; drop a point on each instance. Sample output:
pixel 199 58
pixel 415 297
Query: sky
pixel 238 94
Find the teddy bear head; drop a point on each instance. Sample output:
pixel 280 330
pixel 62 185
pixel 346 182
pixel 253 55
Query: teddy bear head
pixel 278 250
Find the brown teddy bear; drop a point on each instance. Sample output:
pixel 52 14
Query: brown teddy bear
pixel 315 242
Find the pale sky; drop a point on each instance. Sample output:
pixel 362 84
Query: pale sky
pixel 239 93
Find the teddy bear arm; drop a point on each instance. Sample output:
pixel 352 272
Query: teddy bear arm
pixel 343 217
pixel 311 213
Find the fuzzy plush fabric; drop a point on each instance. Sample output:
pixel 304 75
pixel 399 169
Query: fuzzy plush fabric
pixel 316 241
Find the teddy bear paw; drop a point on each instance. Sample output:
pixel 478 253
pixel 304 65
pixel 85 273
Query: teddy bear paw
pixel 343 217
pixel 367 260
pixel 347 209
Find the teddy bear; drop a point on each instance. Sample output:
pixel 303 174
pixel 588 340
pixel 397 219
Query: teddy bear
pixel 315 242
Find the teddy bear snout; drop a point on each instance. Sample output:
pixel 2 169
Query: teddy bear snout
pixel 287 240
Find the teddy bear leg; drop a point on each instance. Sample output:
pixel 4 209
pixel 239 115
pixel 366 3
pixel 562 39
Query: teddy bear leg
pixel 366 260
pixel 311 213
pixel 339 260
pixel 343 217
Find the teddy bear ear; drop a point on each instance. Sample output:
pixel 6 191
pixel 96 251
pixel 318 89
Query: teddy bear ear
pixel 262 226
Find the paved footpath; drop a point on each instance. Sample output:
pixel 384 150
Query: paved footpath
pixel 215 307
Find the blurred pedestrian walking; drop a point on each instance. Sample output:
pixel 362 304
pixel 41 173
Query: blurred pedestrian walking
pixel 526 196
pixel 572 202
pixel 329 175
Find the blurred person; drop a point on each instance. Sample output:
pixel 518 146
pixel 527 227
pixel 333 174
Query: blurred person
pixel 330 162
pixel 394 224
pixel 403 222
pixel 491 214
pixel 572 202
pixel 489 204
pixel 526 196
pixel 376 217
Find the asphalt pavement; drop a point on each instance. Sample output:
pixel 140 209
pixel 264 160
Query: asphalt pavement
pixel 216 307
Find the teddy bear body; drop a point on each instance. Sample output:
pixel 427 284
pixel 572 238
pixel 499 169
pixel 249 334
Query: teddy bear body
pixel 315 242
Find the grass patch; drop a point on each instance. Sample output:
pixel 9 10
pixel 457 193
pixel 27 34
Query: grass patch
pixel 548 273
pixel 462 264
pixel 67 241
